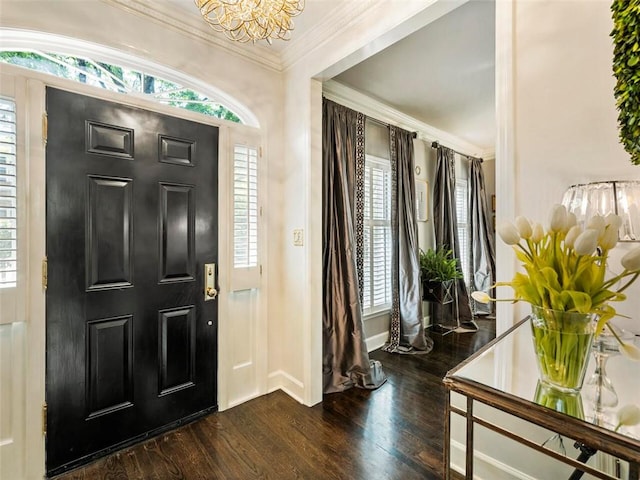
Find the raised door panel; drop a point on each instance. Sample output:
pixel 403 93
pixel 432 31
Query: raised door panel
pixel 109 233
pixel 109 365
pixel 177 349
pixel 178 151
pixel 111 140
pixel 177 233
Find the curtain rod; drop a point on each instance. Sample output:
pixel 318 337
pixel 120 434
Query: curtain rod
pixel 379 122
pixel 436 144
pixel 384 124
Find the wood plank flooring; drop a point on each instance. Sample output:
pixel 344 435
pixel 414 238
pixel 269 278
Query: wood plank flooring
pixel 395 432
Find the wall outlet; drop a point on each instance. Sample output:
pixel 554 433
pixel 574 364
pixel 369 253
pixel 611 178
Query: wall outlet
pixel 298 237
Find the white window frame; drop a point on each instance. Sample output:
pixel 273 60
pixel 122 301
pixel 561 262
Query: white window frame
pixel 245 277
pixel 463 225
pixel 370 310
pixel 13 300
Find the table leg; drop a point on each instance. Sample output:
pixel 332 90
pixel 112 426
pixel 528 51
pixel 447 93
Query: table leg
pixel 447 436
pixel 468 468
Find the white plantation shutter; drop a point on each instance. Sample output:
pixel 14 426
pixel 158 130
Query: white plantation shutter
pixel 8 195
pixel 462 214
pixel 245 206
pixel 245 212
pixel 377 235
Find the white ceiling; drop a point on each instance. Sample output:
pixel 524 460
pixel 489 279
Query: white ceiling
pixel 442 75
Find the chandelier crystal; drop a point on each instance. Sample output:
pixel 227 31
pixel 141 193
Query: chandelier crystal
pixel 602 198
pixel 251 20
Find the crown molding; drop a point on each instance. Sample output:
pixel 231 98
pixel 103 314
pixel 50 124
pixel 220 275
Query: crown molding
pixel 356 100
pixel 337 20
pixel 181 23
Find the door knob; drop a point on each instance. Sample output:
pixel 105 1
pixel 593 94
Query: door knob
pixel 210 291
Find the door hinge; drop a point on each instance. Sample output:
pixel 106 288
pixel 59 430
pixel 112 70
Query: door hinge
pixel 260 152
pixel 260 211
pixel 45 273
pixel 260 269
pixel 45 128
pixel 44 419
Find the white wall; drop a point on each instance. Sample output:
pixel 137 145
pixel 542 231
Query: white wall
pixel 565 115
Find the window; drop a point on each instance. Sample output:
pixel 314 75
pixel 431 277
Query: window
pixel 377 235
pixel 8 197
pixel 462 214
pixel 119 79
pixel 245 206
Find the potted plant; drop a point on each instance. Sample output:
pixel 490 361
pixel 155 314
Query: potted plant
pixel 438 269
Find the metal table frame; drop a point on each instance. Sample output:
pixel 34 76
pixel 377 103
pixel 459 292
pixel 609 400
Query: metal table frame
pixel 594 436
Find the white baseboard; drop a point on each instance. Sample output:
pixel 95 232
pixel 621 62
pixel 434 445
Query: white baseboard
pixel 238 401
pixel 281 380
pixel 484 466
pixel 377 341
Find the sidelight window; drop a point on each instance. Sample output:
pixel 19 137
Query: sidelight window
pixel 8 195
pixel 463 227
pixel 245 206
pixel 377 235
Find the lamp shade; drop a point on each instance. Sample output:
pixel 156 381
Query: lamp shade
pixel 619 197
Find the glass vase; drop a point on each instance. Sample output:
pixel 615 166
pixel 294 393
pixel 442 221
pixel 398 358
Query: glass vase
pixel 562 342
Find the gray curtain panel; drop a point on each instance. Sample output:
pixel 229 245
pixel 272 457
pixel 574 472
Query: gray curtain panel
pixel 482 260
pixel 406 330
pixel 346 362
pixel 457 314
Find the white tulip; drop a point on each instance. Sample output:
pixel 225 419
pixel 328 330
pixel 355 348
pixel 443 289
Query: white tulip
pixel 538 233
pixel 631 260
pixel 571 220
pixel 558 218
pixel 609 238
pixel 630 351
pixel 570 239
pixel 597 223
pixel 586 242
pixel 509 233
pixel 480 297
pixel 628 415
pixel 613 219
pixel 524 227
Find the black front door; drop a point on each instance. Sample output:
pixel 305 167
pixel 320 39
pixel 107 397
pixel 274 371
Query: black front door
pixel 131 223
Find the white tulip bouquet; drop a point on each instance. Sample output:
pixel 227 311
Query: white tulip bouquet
pixel 565 267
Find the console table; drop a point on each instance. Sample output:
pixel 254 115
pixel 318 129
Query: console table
pixel 502 378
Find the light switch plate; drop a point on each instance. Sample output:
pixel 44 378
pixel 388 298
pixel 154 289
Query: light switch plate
pixel 298 237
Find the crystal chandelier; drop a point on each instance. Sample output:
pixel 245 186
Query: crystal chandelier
pixel 602 198
pixel 251 20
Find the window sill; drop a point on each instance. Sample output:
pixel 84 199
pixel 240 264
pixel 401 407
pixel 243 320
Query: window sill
pixel 377 314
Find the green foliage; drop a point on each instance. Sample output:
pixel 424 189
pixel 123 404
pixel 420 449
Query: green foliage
pixel 185 99
pixel 626 69
pixel 116 78
pixel 438 265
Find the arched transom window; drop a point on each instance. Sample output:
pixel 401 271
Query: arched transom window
pixel 119 79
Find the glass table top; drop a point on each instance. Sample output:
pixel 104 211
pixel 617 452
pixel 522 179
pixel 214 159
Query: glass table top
pixel 508 365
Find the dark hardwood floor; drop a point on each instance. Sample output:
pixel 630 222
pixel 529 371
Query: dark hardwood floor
pixel 395 432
